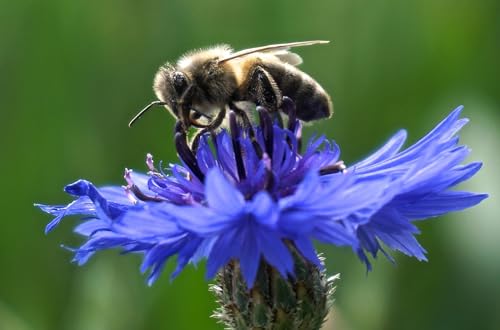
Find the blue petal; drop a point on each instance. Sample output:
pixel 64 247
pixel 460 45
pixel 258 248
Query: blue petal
pixel 156 258
pixel 439 204
pixel 84 205
pixel 221 195
pixel 444 130
pixel 248 252
pixel 200 220
pixel 334 232
pixel 439 139
pixel 306 248
pixel 341 197
pixel 276 253
pixel 221 253
pixel 90 227
pixel 81 206
pixel 103 209
pixel 186 253
pixel 147 221
pixel 389 149
pixel 264 209
pixel 394 230
pixel 203 250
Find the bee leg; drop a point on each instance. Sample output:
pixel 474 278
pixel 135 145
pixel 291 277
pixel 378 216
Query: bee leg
pixel 247 123
pixel 210 127
pixel 263 90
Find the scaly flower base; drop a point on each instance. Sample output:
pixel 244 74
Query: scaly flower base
pixel 274 302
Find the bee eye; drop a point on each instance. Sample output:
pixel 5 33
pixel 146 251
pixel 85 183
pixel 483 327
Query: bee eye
pixel 198 119
pixel 179 81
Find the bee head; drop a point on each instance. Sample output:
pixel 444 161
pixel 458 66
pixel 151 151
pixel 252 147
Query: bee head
pixel 179 82
pixel 170 86
pixel 183 95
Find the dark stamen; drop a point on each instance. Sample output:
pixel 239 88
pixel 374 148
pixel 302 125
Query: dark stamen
pixel 142 196
pixel 267 129
pixel 294 125
pixel 269 180
pixel 213 137
pixel 298 136
pixel 185 153
pixel 235 136
pixel 132 188
pixel 288 107
pixel 278 118
pixel 269 183
pixel 334 168
pixel 248 125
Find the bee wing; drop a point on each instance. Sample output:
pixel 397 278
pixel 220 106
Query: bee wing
pixel 288 57
pixel 277 49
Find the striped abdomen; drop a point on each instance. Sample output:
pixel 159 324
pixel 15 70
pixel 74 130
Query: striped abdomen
pixel 311 100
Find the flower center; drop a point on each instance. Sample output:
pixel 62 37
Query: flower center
pixel 254 156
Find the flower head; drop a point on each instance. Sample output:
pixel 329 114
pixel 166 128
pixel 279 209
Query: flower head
pixel 248 193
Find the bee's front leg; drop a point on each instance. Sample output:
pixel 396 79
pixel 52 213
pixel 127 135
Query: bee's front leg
pixel 216 123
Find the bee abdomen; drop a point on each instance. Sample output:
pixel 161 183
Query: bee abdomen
pixel 311 100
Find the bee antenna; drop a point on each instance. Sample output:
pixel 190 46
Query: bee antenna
pixel 149 106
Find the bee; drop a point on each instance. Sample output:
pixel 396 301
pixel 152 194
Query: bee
pixel 204 83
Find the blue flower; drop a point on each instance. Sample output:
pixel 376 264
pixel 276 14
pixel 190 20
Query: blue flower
pixel 248 193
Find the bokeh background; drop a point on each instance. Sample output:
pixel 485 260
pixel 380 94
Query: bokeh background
pixel 72 73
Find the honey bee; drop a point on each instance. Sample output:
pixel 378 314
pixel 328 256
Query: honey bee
pixel 204 83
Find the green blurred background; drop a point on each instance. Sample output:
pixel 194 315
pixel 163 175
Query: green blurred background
pixel 72 73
